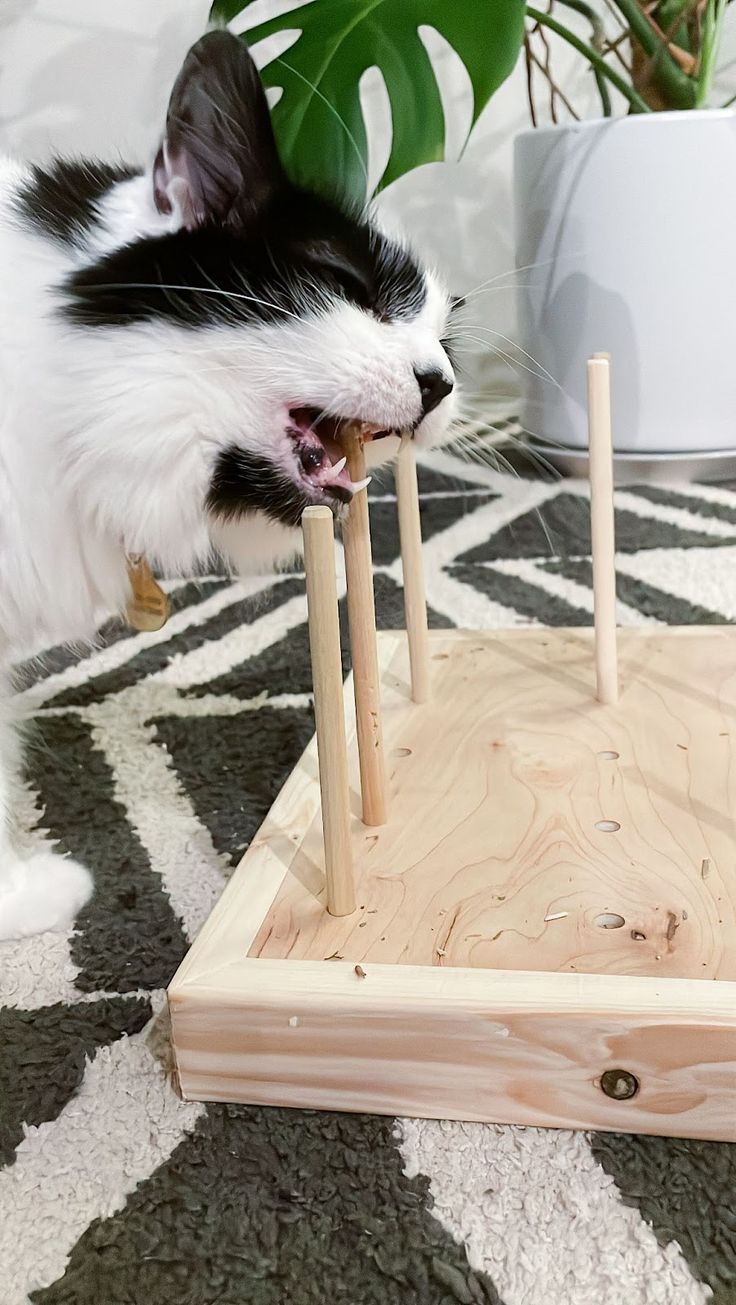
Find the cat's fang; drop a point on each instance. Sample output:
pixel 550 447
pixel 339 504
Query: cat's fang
pixel 331 473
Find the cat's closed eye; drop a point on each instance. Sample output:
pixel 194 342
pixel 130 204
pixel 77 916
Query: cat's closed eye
pixel 338 271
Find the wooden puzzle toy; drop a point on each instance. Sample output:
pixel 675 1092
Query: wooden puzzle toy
pixel 500 884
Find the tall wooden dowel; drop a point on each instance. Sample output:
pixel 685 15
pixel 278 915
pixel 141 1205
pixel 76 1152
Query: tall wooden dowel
pixel 362 625
pixel 415 601
pixel 329 711
pixel 602 528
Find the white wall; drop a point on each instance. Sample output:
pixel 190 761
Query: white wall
pixel 84 76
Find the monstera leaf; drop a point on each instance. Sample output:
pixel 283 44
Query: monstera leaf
pixel 318 119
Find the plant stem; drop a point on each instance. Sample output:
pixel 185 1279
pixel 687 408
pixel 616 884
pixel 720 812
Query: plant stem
pixel 599 37
pixel 593 58
pixel 672 19
pixel 545 69
pixel 530 80
pixel 679 88
pixel 557 90
pixel 712 28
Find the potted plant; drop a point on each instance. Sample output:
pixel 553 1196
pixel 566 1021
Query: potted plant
pixel 627 222
pixel 330 44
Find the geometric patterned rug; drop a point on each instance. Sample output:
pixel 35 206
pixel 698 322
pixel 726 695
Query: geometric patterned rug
pixel 153 758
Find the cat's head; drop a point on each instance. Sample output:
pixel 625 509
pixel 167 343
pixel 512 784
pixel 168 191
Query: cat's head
pixel 287 314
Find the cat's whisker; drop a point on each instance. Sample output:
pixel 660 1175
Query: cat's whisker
pixel 333 111
pixel 512 271
pixel 515 345
pixel 510 361
pixel 197 290
pixel 524 445
pixel 535 455
pixel 481 288
pixel 489 456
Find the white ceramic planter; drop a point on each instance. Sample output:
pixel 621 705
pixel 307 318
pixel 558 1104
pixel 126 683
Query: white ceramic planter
pixel 629 226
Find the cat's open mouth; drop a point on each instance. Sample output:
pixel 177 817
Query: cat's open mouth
pixel 320 455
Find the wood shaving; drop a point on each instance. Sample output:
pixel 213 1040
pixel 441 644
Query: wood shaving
pixel 558 915
pixel 360 971
pixel 334 957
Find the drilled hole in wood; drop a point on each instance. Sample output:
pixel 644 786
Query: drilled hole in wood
pixel 610 920
pixel 607 826
pixel 608 755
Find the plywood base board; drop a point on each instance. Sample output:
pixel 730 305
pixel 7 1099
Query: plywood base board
pixel 552 899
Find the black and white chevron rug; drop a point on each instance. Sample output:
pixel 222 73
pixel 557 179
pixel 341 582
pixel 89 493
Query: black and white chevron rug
pixel 154 758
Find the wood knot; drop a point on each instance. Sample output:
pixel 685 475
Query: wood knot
pixel 619 1084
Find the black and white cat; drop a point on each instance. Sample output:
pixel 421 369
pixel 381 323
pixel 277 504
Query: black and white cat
pixel 177 346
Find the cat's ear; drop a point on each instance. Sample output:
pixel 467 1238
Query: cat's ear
pixel 218 161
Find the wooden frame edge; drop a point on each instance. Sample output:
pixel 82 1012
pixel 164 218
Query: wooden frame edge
pixel 498 1046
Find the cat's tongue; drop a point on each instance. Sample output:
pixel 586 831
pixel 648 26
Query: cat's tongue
pixel 320 453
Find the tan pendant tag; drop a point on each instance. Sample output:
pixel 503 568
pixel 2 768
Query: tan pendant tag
pixel 149 608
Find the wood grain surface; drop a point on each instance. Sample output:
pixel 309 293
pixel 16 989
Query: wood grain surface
pixel 534 828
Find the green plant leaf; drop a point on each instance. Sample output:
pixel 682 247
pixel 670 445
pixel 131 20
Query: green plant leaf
pixel 318 120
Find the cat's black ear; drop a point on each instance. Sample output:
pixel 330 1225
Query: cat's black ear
pixel 218 161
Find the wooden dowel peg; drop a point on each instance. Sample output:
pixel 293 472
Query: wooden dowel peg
pixel 324 641
pixel 362 625
pixel 415 602
pixel 602 527
pixel 149 608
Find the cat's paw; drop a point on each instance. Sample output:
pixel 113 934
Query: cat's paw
pixel 44 892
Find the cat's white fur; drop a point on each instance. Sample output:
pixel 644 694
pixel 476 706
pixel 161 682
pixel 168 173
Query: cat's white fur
pixel 107 443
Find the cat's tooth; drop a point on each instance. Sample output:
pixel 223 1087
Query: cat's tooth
pixel 361 484
pixel 334 471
